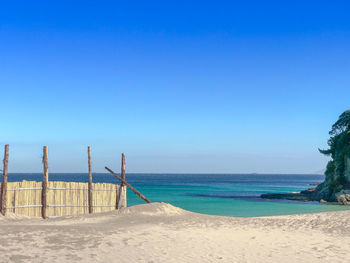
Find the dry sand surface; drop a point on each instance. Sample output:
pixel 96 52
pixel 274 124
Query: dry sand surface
pixel 159 232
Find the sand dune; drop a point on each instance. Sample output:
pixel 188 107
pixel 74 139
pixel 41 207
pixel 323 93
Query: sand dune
pixel 160 232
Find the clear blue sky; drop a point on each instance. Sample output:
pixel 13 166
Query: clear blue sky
pixel 179 86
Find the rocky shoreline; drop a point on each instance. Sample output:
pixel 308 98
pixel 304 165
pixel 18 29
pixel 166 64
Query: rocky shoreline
pixel 321 193
pixel 303 196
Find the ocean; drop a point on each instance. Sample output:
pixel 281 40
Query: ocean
pixel 215 194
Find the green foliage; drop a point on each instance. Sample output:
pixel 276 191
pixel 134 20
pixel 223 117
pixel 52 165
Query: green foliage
pixel 330 169
pixel 339 148
pixel 333 184
pixel 342 124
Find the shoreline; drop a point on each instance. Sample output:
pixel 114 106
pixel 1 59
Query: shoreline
pixel 160 232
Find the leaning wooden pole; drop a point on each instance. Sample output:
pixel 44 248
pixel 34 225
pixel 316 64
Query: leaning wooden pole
pixel 90 182
pixel 121 197
pixel 128 185
pixel 44 208
pixel 4 180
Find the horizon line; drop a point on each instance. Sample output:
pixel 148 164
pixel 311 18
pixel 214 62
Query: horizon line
pixel 169 173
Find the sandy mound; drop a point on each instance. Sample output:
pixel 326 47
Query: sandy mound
pixel 154 209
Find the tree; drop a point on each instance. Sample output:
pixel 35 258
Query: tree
pixel 339 149
pixel 342 124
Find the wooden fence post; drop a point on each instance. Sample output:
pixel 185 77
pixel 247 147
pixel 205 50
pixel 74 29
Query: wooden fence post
pixel 121 199
pixel 4 181
pixel 44 208
pixel 128 185
pixel 90 182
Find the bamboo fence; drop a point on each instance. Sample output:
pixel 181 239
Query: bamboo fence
pixel 56 198
pixel 63 198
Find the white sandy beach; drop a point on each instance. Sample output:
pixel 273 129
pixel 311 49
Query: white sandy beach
pixel 159 232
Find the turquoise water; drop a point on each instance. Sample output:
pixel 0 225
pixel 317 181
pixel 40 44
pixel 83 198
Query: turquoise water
pixel 232 195
pixel 215 194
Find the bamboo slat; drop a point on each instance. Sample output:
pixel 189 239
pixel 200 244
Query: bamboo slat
pixel 63 198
